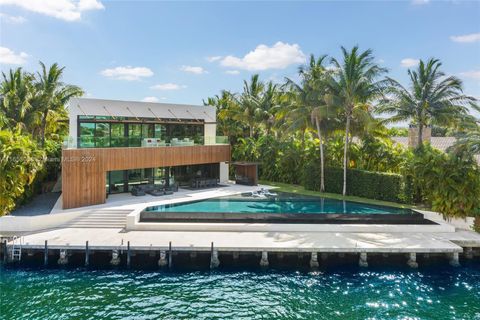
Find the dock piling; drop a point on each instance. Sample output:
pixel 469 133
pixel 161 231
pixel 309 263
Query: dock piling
pixel 362 262
pixel 264 260
pixel 469 253
pixel 214 261
pixel 412 260
pixel 63 259
pixel 129 254
pixel 5 252
pixel 87 254
pixel 314 261
pixel 454 261
pixel 162 261
pixel 45 254
pixel 170 255
pixel 115 261
pixel 235 255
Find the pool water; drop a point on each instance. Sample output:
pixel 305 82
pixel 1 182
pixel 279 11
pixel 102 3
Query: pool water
pixel 436 293
pixel 282 203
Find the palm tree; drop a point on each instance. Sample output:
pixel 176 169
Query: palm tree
pixel 249 103
pixel 308 105
pixel 354 86
pixel 16 93
pixel 431 99
pixel 226 107
pixel 267 106
pixel 469 142
pixel 52 95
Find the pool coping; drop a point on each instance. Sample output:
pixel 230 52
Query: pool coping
pixel 414 218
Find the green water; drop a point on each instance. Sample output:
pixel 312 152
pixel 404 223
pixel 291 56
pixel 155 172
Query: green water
pixel 445 293
pixel 282 203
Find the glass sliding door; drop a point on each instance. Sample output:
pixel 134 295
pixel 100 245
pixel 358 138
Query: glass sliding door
pixel 139 176
pixel 117 181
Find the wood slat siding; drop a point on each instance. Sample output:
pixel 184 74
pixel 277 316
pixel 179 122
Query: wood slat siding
pixel 84 170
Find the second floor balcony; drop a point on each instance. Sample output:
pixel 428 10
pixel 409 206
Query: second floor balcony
pixel 125 142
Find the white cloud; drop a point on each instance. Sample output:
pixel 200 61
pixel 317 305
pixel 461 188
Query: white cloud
pixel 420 2
pixel 8 56
pixel 466 38
pixel 214 58
pixel 279 56
pixel 168 86
pixel 68 10
pixel 473 74
pixel 153 99
pixel 127 73
pixel 235 72
pixel 409 62
pixel 12 19
pixel 195 70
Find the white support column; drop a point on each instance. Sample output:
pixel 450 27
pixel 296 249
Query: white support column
pixel 223 172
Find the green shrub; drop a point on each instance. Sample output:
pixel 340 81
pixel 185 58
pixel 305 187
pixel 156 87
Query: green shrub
pixel 361 183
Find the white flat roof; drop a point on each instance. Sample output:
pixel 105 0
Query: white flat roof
pixel 120 108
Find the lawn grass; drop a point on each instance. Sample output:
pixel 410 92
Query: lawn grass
pixel 292 188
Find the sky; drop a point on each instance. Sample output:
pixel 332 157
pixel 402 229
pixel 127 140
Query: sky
pixel 183 52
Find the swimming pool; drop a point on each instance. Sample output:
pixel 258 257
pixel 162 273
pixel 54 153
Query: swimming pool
pixel 282 208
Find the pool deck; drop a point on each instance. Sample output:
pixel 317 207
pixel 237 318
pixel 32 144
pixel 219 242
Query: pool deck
pixel 105 227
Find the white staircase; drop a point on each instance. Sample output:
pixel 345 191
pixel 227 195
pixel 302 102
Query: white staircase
pixel 100 219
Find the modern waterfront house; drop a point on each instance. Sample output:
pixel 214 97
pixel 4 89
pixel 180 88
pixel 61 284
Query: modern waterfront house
pixel 116 145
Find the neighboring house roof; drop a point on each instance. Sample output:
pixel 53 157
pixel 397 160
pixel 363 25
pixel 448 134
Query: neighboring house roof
pixel 440 143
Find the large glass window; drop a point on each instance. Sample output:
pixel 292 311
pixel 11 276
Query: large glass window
pixel 102 135
pixel 87 135
pixel 110 134
pixel 117 132
pixel 160 131
pixel 134 135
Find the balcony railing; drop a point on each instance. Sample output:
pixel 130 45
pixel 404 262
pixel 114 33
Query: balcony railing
pixel 125 142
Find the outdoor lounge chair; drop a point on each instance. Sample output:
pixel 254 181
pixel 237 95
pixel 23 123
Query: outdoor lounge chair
pixel 138 191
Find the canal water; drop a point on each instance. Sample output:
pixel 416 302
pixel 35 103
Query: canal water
pixel 436 292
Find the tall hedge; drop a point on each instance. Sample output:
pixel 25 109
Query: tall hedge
pixel 361 183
